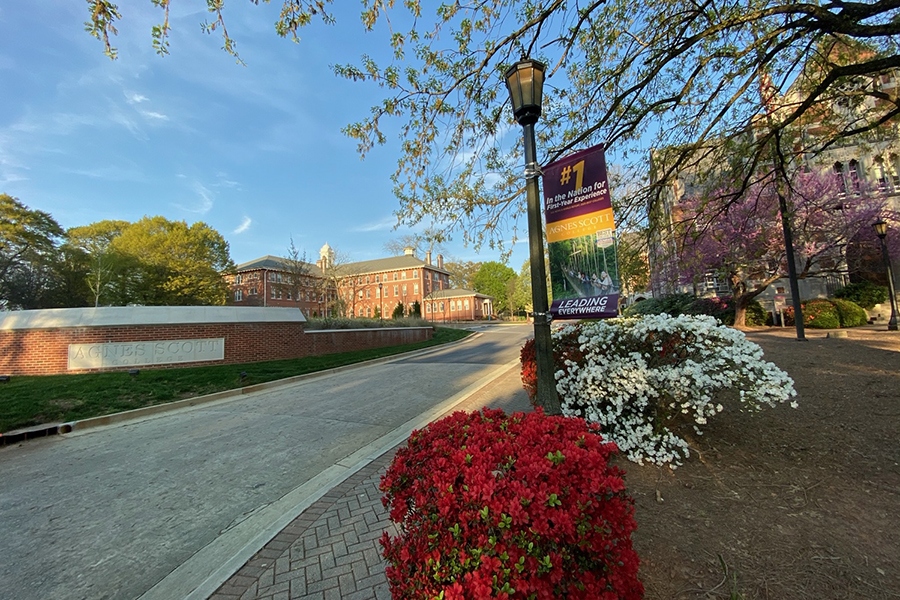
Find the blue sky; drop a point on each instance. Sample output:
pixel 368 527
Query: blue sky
pixel 255 151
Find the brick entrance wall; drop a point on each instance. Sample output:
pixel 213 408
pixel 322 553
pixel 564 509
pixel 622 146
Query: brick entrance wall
pixel 30 345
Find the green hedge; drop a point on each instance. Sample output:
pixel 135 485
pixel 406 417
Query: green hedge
pixel 826 313
pixel 673 304
pixel 677 304
pixel 850 313
pixel 866 294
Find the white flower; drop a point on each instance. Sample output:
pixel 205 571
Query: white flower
pixel 638 373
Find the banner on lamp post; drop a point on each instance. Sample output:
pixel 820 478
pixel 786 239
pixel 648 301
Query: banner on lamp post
pixel 581 237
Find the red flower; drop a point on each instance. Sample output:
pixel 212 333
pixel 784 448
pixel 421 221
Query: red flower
pixel 491 506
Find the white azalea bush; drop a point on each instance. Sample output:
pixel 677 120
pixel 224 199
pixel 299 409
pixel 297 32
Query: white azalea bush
pixel 645 379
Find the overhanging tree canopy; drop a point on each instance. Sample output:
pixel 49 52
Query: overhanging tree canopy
pixel 674 74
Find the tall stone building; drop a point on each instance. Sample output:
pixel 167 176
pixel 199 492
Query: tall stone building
pixel 868 162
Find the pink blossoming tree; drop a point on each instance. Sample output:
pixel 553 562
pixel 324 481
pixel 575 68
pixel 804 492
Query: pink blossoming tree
pixel 744 243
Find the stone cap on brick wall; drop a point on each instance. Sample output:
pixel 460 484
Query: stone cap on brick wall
pixel 145 315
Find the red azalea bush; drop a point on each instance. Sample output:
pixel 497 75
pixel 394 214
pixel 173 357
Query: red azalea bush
pixel 520 506
pixel 565 347
pixel 528 359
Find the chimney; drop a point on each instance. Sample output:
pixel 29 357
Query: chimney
pixel 428 257
pixel 440 264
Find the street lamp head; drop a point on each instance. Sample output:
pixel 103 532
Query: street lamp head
pixel 880 228
pixel 525 81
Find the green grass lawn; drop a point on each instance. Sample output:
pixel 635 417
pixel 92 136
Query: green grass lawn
pixel 26 401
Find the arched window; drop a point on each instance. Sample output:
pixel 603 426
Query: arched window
pixel 841 178
pixel 855 173
pixel 893 168
pixel 880 173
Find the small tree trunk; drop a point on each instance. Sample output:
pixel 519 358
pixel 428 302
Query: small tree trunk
pixel 740 311
pixel 740 299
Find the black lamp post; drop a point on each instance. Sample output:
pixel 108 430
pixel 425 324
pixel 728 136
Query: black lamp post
pixel 380 301
pixel 525 81
pixel 880 228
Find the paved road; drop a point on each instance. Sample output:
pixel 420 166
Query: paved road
pixel 146 507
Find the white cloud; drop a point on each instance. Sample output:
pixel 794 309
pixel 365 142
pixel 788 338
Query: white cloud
pixel 225 182
pixel 134 98
pixel 244 226
pixel 11 178
pixel 128 124
pixel 205 203
pixel 109 173
pixel 386 224
pixel 154 115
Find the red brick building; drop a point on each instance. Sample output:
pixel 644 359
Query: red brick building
pixel 273 281
pixel 457 305
pixel 366 289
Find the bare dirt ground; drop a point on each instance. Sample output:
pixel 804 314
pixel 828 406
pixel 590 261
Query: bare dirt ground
pixel 786 503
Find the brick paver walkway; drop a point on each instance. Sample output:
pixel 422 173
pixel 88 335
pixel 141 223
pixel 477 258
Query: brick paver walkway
pixel 331 551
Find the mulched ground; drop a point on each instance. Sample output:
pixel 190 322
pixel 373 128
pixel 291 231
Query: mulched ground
pixel 786 503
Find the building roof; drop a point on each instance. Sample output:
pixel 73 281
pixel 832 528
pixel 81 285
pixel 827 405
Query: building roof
pixel 406 261
pixel 274 263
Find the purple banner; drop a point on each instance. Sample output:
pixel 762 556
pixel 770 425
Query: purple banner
pixel 581 237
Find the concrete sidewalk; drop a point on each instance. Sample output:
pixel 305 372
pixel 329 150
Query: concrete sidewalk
pixel 331 550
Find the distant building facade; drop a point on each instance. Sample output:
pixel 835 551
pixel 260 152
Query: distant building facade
pixel 366 289
pixel 457 305
pixel 273 281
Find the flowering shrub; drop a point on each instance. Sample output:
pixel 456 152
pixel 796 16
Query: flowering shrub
pixel 565 347
pixel 818 314
pixel 529 369
pixel 826 313
pixel 643 380
pixel 525 506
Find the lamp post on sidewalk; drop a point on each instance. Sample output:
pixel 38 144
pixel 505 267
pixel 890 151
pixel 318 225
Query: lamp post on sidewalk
pixel 880 228
pixel 380 301
pixel 525 81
